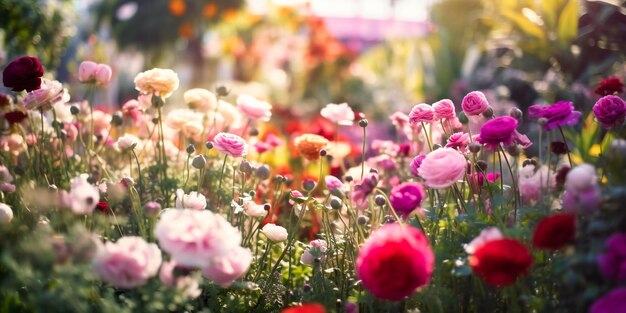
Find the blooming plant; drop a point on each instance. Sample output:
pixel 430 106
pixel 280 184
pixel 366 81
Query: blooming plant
pixel 153 208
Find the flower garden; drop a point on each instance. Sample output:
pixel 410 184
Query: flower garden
pixel 211 198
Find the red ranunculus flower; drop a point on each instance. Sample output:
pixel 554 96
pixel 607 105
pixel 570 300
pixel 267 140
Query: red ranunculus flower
pixel 305 308
pixel 610 86
pixel 103 207
pixel 554 232
pixel 15 117
pixel 23 74
pixel 500 262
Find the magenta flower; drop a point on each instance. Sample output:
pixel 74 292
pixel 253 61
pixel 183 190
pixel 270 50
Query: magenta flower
pixel 444 109
pixel 442 168
pixel 416 163
pixel 501 130
pixel 559 114
pixel 612 262
pixel 610 111
pixel 458 141
pixel 363 189
pixel 334 184
pixel 395 261
pixel 474 103
pixel 406 197
pixel 230 144
pixel 421 113
pixel 613 302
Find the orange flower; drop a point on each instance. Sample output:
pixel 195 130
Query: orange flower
pixel 177 7
pixel 185 30
pixel 209 10
pixel 310 145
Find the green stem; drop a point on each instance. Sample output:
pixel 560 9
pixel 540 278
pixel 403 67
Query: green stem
pixel 569 157
pixel 363 153
pixel 430 146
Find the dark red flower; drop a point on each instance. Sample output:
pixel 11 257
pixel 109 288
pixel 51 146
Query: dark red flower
pixel 4 100
pixel 561 174
pixel 103 207
pixel 610 86
pixel 554 232
pixel 15 117
pixel 500 262
pixel 23 74
pixel 305 308
pixel 558 147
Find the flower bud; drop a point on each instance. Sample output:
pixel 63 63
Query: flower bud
pixel 308 184
pixel 208 145
pixel 116 119
pixel 263 172
pixel 348 178
pixel 481 165
pixel 323 152
pixel 74 110
pixel 253 132
pixel 558 147
pixel 475 147
pixel 335 204
pixel 362 220
pixel 245 167
pixel 516 113
pixel 157 101
pixel 379 200
pixel 191 149
pixel 542 121
pixel 513 149
pixel 222 91
pixel 306 288
pixel 363 123
pixel 198 162
pixel 151 208
pixel 488 112
pixel 463 118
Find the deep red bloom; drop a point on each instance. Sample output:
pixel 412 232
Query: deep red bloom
pixel 23 74
pixel 4 100
pixel 15 117
pixel 554 232
pixel 305 308
pixel 500 262
pixel 103 207
pixel 610 86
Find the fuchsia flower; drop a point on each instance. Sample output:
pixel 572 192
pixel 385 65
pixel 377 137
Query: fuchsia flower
pixel 407 197
pixel 612 262
pixel 474 103
pixel 395 261
pixel 127 263
pixel 363 189
pixel 444 109
pixel 334 184
pixel 421 113
pixel 501 130
pixel 254 108
pixel 458 141
pixel 610 111
pixel 559 114
pixel 340 114
pixel 613 302
pixel 442 168
pixel 230 144
pixel 416 163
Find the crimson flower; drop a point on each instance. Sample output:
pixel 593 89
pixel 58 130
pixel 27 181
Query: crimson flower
pixel 610 86
pixel 500 262
pixel 305 308
pixel 554 232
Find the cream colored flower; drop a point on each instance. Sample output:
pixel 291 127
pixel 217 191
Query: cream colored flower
pixel 274 232
pixel 200 99
pixel 162 82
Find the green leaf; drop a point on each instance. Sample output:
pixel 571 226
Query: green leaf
pixel 568 23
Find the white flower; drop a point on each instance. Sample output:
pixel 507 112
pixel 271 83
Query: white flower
pixel 486 235
pixel 274 232
pixel 581 178
pixel 6 214
pixel 127 141
pixel 200 99
pixel 341 114
pixel 162 82
pixel 250 208
pixel 83 196
pixel 50 93
pixel 193 200
pixel 316 250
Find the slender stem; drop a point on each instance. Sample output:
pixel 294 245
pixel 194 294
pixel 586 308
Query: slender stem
pixel 141 186
pixel 219 188
pixel 363 153
pixel 569 157
pixel 430 146
pixel 514 184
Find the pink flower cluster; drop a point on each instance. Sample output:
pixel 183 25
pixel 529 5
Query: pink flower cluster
pixel 89 72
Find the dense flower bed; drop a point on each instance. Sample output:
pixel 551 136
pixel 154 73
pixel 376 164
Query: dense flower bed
pixel 151 208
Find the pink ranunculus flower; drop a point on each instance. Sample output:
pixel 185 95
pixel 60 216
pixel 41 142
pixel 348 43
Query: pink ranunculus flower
pixel 458 141
pixel 444 109
pixel 103 74
pixel 83 196
pixel 501 130
pixel 363 188
pixel 610 111
pixel 395 261
pixel 230 144
pixel 188 284
pixel 340 114
pixel 532 183
pixel 559 114
pixel 127 263
pixel 49 94
pixel 612 262
pixel 442 168
pixel 613 302
pixel 225 269
pixel 407 197
pixel 486 235
pixel 89 72
pixel 474 103
pixel 194 237
pixel 316 250
pixel 254 108
pixel 421 113
pixel 333 184
pixel 194 200
pixel 581 177
pixel 252 209
pixel 416 163
pixel 584 201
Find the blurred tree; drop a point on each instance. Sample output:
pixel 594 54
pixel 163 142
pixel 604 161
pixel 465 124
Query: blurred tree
pixel 35 27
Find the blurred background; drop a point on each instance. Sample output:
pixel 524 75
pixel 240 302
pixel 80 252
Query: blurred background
pixel 380 56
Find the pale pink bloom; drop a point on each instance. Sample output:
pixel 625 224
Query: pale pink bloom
pixel 194 200
pixel 7 187
pixel 103 74
pixel 127 263
pixel 200 99
pixel 227 268
pixel 6 214
pixel 86 71
pixel 274 232
pixel 442 168
pixel 474 103
pixel 230 144
pixel 101 122
pixel 458 141
pixel 176 119
pixel 581 178
pixel 486 235
pixel 12 143
pixel 250 208
pixel 193 238
pixel 421 113
pixel 340 114
pixel 192 129
pixel 161 82
pixel 133 110
pixel 533 182
pixel 83 196
pixel 444 109
pixel 296 194
pixel 232 117
pixel 145 100
pixel 273 140
pixel 399 119
pixel 127 141
pixel 186 283
pixel 5 175
pixel 316 250
pixel 334 184
pixel 254 108
pixel 50 93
